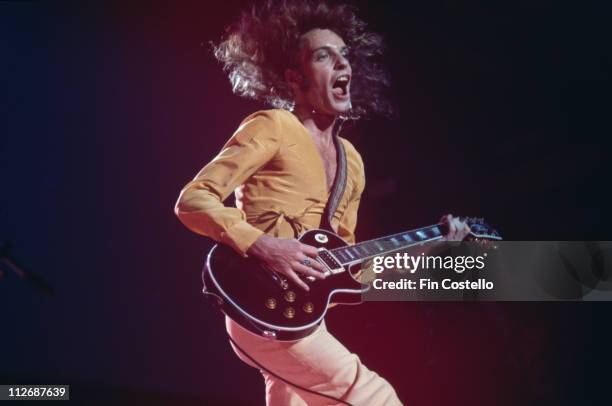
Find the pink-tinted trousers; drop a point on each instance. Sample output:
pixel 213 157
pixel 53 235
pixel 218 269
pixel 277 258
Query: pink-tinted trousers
pixel 318 362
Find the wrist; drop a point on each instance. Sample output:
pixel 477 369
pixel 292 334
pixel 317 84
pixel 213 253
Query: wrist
pixel 259 246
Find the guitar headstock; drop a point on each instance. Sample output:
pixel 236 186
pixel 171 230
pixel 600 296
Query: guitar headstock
pixel 480 230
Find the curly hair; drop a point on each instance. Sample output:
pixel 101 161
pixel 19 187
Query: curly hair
pixel 264 42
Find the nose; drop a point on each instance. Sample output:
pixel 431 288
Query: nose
pixel 341 62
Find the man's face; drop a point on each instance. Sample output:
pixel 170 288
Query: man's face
pixel 326 71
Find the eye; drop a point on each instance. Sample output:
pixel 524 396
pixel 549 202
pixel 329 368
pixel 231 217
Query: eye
pixel 321 56
pixel 346 53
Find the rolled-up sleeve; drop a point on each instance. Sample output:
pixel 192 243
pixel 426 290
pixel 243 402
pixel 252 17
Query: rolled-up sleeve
pixel 200 204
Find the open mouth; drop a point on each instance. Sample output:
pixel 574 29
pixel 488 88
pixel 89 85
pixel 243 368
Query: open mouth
pixel 340 86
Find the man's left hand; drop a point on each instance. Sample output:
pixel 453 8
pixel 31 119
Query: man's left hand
pixel 457 229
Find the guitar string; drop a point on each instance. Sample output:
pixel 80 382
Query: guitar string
pixel 386 240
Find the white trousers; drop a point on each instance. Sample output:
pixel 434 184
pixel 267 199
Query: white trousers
pixel 318 362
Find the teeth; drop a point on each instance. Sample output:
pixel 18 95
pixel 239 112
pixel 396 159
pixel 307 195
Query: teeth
pixel 341 83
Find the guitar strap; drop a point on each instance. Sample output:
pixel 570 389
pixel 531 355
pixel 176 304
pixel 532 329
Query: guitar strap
pixel 339 180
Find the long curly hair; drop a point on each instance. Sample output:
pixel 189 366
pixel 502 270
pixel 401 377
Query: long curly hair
pixel 264 42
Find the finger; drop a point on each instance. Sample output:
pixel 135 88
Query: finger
pixel 458 224
pixel 309 250
pixel 465 225
pixel 446 218
pixel 452 228
pixel 460 227
pixel 296 279
pixel 466 230
pixel 313 263
pixel 303 269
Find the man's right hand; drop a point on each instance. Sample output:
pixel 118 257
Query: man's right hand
pixel 287 256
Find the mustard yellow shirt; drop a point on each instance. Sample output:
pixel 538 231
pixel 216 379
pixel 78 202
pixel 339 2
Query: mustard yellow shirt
pixel 275 169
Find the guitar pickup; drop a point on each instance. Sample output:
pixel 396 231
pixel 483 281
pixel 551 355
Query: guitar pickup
pixel 330 261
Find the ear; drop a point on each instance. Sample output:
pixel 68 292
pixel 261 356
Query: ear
pixel 294 79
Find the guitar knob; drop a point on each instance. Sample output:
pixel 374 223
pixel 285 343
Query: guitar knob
pixel 271 303
pixel 308 307
pixel 290 296
pixel 289 312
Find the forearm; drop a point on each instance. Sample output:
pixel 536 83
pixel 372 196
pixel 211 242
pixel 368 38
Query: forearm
pixel 204 213
pixel 200 205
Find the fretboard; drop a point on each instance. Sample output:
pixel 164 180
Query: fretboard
pixel 381 246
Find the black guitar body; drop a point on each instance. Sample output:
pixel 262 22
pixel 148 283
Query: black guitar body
pixel 267 303
pixel 270 305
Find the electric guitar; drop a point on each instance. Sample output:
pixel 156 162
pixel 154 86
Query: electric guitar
pixel 270 305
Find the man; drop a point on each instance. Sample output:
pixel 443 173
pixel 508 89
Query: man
pixel 282 164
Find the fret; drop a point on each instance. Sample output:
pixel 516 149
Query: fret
pixel 342 255
pixel 384 245
pixel 381 246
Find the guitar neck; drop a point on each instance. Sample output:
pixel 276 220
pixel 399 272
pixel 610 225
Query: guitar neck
pixel 365 250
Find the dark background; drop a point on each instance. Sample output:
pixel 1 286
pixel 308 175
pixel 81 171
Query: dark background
pixel 109 108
